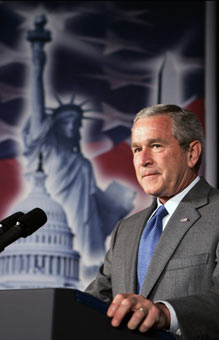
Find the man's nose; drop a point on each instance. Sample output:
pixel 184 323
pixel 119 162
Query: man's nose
pixel 145 158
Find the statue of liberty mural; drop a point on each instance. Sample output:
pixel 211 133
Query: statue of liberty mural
pixel 91 212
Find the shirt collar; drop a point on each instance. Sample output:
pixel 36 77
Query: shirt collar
pixel 174 201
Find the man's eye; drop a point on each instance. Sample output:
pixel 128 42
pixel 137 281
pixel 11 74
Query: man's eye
pixel 136 150
pixel 156 146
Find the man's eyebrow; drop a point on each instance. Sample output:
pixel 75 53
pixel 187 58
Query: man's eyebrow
pixel 133 145
pixel 149 141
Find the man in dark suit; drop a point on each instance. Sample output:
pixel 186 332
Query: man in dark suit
pixel 180 290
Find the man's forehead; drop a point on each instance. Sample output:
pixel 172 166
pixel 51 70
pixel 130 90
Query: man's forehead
pixel 158 116
pixel 152 133
pixel 152 123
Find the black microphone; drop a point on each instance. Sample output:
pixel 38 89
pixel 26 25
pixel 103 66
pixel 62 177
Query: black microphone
pixel 9 222
pixel 25 225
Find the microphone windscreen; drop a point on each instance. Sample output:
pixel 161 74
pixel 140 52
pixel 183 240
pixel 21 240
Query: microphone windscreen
pixel 31 221
pixel 9 221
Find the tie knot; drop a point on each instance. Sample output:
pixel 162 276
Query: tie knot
pixel 161 212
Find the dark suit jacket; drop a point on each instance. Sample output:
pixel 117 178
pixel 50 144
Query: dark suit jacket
pixel 184 269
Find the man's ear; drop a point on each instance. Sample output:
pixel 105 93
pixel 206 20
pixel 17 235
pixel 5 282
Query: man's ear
pixel 194 153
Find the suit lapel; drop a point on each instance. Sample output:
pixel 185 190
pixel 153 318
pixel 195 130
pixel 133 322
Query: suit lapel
pixel 182 220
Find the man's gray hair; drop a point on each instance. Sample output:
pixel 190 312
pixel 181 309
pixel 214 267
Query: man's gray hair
pixel 186 125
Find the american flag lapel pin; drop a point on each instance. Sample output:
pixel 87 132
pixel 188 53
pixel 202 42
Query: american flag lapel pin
pixel 185 219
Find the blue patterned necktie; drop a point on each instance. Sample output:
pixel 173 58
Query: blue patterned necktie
pixel 149 239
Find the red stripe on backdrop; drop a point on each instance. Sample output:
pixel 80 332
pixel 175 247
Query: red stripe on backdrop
pixel 10 184
pixel 117 163
pixel 198 108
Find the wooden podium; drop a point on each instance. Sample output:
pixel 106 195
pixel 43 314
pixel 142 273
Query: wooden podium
pixel 59 314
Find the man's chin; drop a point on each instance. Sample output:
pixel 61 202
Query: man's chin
pixel 157 193
pixel 151 191
pixel 150 183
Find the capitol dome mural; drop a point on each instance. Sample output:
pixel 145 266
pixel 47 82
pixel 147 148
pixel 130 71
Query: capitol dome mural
pixel 47 257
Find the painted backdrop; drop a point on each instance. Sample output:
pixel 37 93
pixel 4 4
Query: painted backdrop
pixel 72 76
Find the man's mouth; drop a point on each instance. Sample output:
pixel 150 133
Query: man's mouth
pixel 150 174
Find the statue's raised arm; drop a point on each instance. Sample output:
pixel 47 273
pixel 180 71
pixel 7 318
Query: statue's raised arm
pixel 38 37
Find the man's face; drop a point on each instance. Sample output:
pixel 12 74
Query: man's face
pixel 162 167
